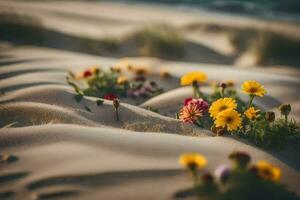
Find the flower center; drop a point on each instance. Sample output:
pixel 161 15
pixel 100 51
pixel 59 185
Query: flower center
pixel 229 120
pixel 252 90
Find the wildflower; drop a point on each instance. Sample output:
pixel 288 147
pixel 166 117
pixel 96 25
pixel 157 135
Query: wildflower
pixel 110 96
pixel 230 83
pixel 141 71
pixel 200 103
pixel 193 109
pixel 164 74
pixel 285 110
pixel 230 119
pixel 223 173
pixel 116 69
pixel 192 77
pixel 193 160
pixel 94 69
pixel 190 114
pixel 87 73
pixel 267 171
pixel 251 113
pixel 270 116
pixel 240 158
pixel 116 104
pixel 153 84
pixel 253 88
pixel 122 80
pixel 223 87
pixel 221 105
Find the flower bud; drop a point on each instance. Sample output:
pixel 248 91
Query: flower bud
pixel 116 103
pixel 223 86
pixel 270 116
pixel 153 84
pixel 285 109
pixel 222 173
pixel 207 178
pixel 240 159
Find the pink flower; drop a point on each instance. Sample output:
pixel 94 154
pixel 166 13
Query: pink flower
pixel 186 101
pixel 200 103
pixel 192 110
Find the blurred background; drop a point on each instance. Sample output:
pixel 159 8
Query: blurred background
pixel 239 33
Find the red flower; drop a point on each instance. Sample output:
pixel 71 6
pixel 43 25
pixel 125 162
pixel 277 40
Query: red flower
pixel 110 96
pixel 87 73
pixel 186 101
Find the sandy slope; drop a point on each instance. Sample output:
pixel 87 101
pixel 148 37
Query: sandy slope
pixel 112 163
pixel 66 151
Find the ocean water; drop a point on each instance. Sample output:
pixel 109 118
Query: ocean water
pixel 286 10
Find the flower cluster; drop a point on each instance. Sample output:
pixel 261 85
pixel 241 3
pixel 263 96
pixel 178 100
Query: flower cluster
pixel 259 180
pixel 227 113
pixel 113 84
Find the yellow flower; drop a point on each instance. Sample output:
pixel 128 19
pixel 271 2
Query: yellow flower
pixel 267 171
pixel 193 160
pixel 141 71
pixel 251 113
pixel 191 77
pixel 122 80
pixel 253 88
pixel 221 105
pixel 230 119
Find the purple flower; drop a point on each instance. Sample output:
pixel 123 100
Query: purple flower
pixel 222 173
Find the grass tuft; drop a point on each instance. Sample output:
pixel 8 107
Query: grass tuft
pixel 160 40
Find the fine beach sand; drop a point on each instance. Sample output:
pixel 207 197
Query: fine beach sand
pixel 64 151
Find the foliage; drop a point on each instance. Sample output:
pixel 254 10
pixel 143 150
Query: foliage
pixel 110 85
pixel 160 40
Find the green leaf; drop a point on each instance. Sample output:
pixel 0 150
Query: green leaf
pixel 99 102
pixel 78 97
pixel 87 109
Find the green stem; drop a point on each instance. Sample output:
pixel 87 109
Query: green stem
pixel 222 92
pixel 196 91
pixel 251 100
pixel 195 177
pixel 286 120
pixel 117 114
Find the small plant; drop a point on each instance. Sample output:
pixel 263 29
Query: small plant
pixel 111 84
pixel 243 180
pixel 160 40
pixel 116 104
